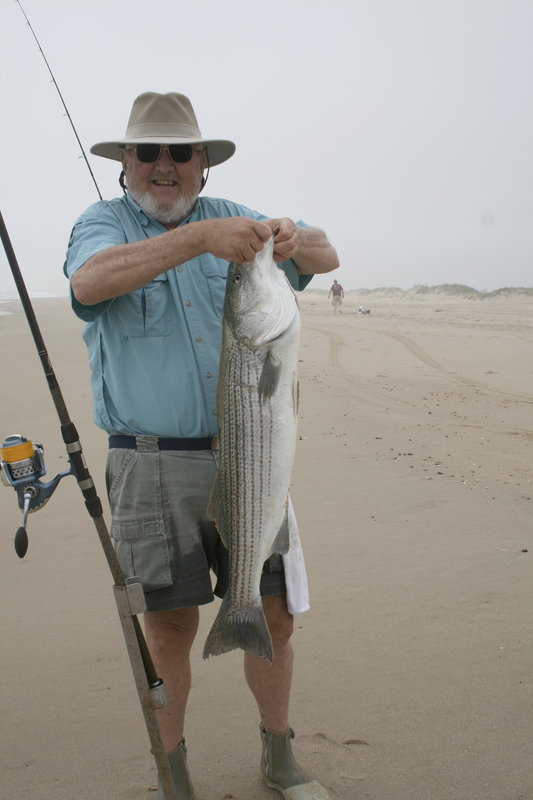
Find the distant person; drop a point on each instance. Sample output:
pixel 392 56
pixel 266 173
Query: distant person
pixel 338 294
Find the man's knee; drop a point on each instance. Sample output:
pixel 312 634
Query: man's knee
pixel 164 628
pixel 280 622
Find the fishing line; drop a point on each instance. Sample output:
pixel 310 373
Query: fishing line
pixel 61 98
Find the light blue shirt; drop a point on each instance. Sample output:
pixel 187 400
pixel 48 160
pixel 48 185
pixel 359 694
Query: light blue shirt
pixel 154 353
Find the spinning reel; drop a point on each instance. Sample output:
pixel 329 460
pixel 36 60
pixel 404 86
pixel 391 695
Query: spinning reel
pixel 22 466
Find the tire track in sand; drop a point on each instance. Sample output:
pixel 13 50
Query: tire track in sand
pixel 337 343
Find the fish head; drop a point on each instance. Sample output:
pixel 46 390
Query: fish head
pixel 260 304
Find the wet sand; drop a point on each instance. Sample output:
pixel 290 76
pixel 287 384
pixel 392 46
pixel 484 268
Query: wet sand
pixel 412 488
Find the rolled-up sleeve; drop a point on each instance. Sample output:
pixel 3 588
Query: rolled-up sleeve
pixel 96 230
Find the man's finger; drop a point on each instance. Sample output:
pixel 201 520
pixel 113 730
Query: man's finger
pixel 262 230
pixel 283 234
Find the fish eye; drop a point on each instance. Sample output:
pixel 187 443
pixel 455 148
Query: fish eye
pixel 237 277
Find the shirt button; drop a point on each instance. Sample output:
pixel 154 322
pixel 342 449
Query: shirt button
pixel 214 411
pixel 198 338
pixel 180 269
pixel 207 374
pixel 188 303
pixel 123 338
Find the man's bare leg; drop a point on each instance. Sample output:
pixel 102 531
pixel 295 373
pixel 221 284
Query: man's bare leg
pixel 271 683
pixel 169 635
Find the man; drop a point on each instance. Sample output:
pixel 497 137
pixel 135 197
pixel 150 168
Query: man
pixel 338 294
pixel 147 273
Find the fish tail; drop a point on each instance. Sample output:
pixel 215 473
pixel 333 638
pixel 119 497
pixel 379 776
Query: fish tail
pixel 246 628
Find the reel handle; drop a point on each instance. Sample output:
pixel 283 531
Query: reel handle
pixel 21 536
pixel 21 542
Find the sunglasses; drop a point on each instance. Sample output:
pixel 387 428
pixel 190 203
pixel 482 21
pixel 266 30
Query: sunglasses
pixel 150 153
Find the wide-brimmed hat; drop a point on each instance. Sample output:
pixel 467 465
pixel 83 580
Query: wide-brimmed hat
pixel 164 119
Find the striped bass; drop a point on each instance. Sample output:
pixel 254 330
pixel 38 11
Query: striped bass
pixel 257 406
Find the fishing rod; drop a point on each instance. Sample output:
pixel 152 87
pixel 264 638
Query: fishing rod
pixel 22 466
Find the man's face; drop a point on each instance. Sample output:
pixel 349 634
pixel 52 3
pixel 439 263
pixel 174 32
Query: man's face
pixel 165 190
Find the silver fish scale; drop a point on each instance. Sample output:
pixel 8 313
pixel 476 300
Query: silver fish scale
pixel 246 440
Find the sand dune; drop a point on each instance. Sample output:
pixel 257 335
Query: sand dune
pixel 412 487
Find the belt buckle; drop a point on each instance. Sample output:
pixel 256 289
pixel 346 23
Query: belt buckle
pixel 215 445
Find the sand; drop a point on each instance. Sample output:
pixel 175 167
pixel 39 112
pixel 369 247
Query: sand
pixel 412 487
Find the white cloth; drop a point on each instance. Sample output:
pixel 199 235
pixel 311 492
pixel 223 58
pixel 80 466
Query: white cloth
pixel 295 572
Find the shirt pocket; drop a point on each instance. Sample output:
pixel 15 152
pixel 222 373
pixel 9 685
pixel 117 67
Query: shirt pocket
pixel 146 312
pixel 216 273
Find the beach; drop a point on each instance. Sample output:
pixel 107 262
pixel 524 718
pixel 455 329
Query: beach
pixel 412 490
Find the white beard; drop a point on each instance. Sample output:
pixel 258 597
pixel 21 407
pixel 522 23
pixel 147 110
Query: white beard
pixel 166 216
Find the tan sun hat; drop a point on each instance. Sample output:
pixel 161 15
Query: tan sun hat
pixel 164 119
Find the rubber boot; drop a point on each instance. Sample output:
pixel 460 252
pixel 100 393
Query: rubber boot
pixel 179 770
pixel 281 771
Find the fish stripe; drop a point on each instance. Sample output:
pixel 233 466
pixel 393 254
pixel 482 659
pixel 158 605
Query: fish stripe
pixel 246 475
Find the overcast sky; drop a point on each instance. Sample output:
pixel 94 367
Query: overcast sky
pixel 403 128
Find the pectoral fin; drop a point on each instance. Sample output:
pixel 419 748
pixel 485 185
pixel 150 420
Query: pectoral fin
pixel 268 382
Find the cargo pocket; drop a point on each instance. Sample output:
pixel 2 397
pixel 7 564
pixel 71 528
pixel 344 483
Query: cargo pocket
pixel 137 526
pixel 142 550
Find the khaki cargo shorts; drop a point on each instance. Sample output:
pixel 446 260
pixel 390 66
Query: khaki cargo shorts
pixel 161 534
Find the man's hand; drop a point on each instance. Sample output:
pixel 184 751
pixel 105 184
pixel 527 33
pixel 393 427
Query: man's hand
pixel 287 239
pixel 236 239
pixel 309 247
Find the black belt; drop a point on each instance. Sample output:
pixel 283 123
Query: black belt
pixel 130 443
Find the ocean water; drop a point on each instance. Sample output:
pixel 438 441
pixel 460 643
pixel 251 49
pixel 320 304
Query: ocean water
pixel 7 297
